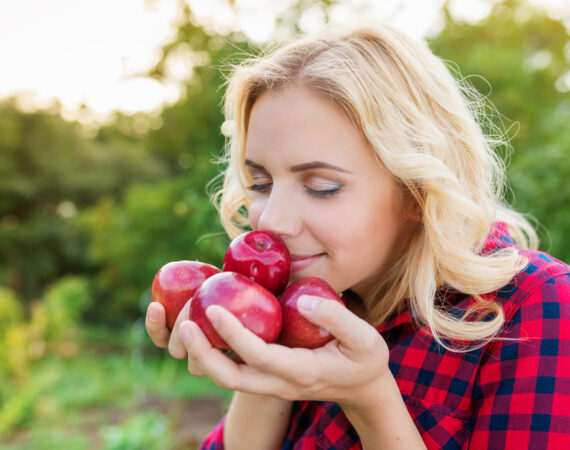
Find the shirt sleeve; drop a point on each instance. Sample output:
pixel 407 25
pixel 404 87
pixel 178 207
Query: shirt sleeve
pixel 215 439
pixel 523 389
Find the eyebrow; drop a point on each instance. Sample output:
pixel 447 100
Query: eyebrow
pixel 301 167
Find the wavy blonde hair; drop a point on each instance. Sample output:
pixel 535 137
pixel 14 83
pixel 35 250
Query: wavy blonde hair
pixel 426 129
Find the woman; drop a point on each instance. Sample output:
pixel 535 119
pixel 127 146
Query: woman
pixel 365 156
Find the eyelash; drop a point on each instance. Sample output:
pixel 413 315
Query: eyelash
pixel 317 194
pixel 258 187
pixel 323 194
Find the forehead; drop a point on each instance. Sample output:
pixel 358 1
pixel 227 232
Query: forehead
pixel 295 121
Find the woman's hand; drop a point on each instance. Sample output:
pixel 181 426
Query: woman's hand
pixel 159 333
pixel 346 370
pixel 351 370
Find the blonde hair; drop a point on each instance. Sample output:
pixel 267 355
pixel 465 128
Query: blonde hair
pixel 426 129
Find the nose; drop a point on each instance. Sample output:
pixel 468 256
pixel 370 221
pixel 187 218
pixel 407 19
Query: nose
pixel 280 214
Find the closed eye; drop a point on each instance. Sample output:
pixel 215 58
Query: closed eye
pixel 259 187
pixel 326 193
pixel 320 194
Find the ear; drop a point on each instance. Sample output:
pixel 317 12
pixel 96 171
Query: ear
pixel 411 201
pixel 413 212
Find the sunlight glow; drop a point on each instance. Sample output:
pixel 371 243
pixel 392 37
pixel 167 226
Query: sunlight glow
pixel 93 54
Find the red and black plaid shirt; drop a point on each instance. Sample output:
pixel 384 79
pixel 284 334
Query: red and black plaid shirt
pixel 512 393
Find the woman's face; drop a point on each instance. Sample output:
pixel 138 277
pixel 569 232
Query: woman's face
pixel 318 185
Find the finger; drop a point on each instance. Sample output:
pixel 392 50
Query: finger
pixel 353 332
pixel 241 340
pixel 193 336
pixel 176 347
pixel 195 368
pixel 204 359
pixel 225 372
pixel 155 323
pixel 254 351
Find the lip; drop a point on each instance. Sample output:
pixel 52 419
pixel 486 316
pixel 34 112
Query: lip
pixel 300 262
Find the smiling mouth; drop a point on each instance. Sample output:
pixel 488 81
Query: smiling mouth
pixel 300 262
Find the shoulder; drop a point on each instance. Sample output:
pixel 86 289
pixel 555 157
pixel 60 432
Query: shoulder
pixel 524 376
pixel 542 289
pixel 543 267
pixel 544 278
pixel 536 308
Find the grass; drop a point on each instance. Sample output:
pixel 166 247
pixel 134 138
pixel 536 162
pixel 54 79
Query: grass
pixel 117 392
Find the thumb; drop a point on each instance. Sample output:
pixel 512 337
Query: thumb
pixel 338 320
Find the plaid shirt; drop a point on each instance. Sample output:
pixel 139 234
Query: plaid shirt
pixel 512 393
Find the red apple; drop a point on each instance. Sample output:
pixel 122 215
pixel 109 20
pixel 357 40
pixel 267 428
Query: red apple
pixel 175 283
pixel 261 256
pixel 255 307
pixel 298 331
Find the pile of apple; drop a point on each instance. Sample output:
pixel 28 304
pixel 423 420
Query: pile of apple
pixel 253 286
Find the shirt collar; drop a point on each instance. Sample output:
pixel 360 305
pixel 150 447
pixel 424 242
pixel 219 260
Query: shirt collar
pixel 497 239
pixel 396 320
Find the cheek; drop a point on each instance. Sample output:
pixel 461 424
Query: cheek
pixel 365 230
pixel 337 225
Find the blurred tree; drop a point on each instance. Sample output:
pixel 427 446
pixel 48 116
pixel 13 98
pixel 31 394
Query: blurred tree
pixel 132 239
pixel 49 171
pixel 521 58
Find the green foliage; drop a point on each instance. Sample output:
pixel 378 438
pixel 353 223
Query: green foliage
pixel 139 432
pixel 52 328
pixel 99 396
pixel 49 170
pixel 64 302
pixel 153 225
pixel 18 401
pixel 45 438
pixel 11 310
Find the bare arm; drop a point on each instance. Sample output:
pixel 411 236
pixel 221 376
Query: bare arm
pixel 256 422
pixel 386 420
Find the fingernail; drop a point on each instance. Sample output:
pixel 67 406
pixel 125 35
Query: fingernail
pixel 185 334
pixel 152 314
pixel 213 316
pixel 307 303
